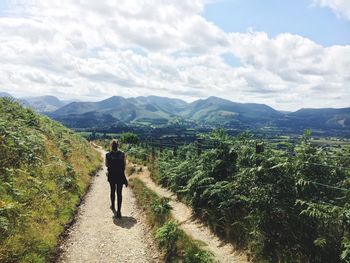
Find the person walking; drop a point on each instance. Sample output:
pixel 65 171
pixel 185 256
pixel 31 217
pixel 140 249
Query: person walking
pixel 116 163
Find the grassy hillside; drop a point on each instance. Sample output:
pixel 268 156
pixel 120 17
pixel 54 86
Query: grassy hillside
pixel 313 118
pixel 88 120
pixel 114 112
pixel 44 170
pixel 139 109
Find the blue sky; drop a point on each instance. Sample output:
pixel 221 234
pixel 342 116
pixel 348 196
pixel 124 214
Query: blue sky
pixel 300 17
pixel 5 6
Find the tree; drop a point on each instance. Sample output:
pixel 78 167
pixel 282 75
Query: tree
pixel 129 137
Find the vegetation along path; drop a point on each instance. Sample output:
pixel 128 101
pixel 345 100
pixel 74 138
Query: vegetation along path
pixel 223 252
pixel 97 236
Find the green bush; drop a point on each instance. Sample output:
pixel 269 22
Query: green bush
pixel 193 254
pixel 167 236
pixel 161 207
pixel 130 138
pixel 283 208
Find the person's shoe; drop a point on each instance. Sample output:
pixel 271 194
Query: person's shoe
pixel 119 214
pixel 112 208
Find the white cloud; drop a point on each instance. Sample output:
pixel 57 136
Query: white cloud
pixel 97 49
pixel 340 7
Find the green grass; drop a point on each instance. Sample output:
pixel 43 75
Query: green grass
pixel 176 245
pixel 89 133
pixel 44 170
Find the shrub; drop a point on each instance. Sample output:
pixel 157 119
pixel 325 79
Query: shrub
pixel 130 138
pixel 167 235
pixel 279 206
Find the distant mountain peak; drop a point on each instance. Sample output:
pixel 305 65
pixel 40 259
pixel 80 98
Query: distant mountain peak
pixel 212 111
pixel 5 94
pixel 214 98
pixel 46 103
pixel 115 97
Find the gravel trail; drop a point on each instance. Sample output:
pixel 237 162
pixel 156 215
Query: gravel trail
pixel 96 236
pixel 223 252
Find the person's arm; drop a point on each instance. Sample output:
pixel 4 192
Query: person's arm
pixel 106 160
pixel 125 180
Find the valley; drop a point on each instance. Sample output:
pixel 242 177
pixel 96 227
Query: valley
pixel 234 185
pixel 155 116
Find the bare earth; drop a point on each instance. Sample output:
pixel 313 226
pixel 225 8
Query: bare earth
pixel 223 252
pixel 97 236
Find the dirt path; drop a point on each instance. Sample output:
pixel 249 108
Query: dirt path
pixel 98 237
pixel 223 252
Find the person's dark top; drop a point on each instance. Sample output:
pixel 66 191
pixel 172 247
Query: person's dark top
pixel 115 162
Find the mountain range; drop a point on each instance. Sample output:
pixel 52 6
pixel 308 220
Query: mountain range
pixel 213 111
pixel 40 104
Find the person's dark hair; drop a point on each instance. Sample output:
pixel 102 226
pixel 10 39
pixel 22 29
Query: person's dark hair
pixel 114 145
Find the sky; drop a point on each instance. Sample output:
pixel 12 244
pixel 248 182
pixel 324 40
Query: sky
pixel 288 54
